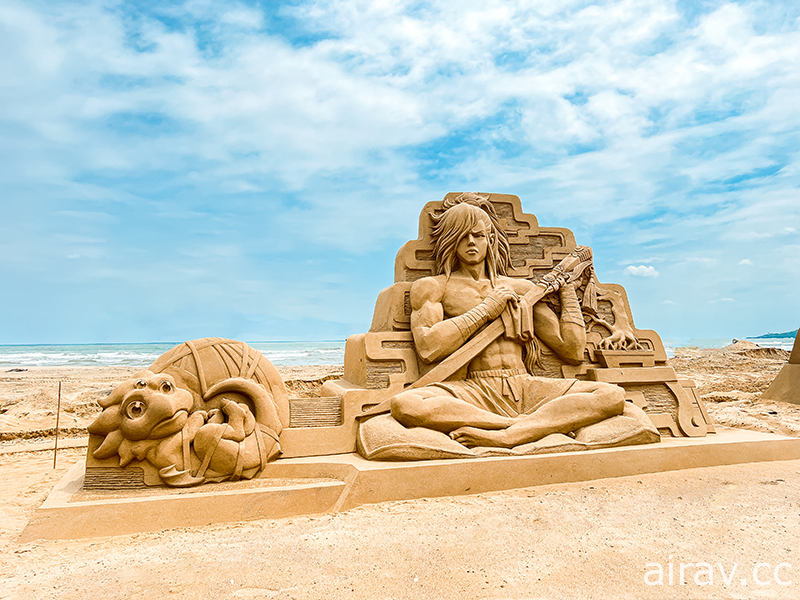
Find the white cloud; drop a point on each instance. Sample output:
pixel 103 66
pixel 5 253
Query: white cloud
pixel 641 271
pixel 745 261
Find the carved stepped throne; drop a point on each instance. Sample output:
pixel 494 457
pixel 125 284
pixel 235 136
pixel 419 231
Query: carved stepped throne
pixel 383 362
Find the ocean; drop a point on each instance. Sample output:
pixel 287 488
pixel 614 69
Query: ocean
pixel 279 353
pixel 143 355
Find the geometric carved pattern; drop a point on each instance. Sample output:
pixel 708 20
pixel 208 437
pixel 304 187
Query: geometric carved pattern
pixel 378 373
pixel 658 397
pixel 114 478
pixel 408 345
pixel 315 412
pixel 535 249
pixel 415 274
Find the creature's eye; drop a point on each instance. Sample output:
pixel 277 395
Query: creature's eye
pixel 140 384
pixel 135 409
pixel 167 387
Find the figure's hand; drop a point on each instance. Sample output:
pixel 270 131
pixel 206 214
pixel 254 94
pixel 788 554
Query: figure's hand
pixel 568 269
pixel 620 340
pixel 554 279
pixel 498 298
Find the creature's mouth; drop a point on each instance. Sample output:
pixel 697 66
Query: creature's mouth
pixel 171 425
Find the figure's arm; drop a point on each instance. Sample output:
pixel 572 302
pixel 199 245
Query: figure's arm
pixel 566 334
pixel 436 337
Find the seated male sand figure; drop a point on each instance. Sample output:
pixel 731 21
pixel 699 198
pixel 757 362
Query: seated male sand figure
pixel 499 403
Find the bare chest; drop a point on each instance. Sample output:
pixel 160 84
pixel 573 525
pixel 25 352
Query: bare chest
pixel 462 295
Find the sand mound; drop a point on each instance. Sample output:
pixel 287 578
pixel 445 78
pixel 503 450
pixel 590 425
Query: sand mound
pixel 777 353
pixel 740 346
pixel 753 350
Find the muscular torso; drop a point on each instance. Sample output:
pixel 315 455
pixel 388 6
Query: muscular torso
pixel 462 294
pixel 446 298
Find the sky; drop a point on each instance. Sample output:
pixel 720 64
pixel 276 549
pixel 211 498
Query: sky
pixel 177 170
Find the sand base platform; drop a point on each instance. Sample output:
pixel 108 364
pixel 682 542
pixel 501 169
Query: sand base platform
pixel 317 485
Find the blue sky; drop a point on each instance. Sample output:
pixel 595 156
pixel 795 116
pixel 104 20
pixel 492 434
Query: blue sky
pixel 175 170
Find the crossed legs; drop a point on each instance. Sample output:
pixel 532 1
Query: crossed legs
pixel 434 408
pixel 586 403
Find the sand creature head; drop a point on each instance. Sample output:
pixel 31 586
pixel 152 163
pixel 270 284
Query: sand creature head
pixel 148 406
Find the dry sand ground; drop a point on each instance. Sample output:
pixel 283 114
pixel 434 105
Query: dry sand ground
pixel 567 541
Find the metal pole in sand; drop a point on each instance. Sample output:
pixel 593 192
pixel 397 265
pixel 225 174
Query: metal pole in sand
pixel 58 414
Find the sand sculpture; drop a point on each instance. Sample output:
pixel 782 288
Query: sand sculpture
pixel 207 410
pixel 786 386
pixel 497 339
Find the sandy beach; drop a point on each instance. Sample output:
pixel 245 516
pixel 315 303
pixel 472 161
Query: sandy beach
pixel 584 540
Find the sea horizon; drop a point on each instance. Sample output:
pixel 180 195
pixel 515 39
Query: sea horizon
pixel 109 354
pixel 280 353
